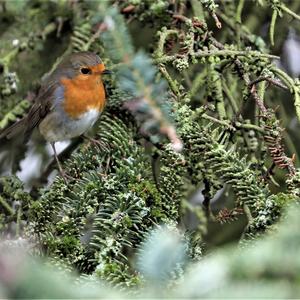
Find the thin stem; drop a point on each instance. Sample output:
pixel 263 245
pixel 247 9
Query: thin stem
pixel 221 122
pixel 293 89
pixel 230 97
pixel 238 16
pixel 172 83
pixel 284 77
pixel 272 26
pixel 270 80
pixel 288 11
pixel 250 126
pixel 252 89
pixel 199 54
pixel 261 89
pixel 238 22
pixel 217 21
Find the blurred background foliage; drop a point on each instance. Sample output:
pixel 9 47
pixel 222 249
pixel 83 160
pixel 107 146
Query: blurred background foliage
pixel 199 150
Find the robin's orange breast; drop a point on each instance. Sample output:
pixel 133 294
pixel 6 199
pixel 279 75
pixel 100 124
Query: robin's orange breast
pixel 81 96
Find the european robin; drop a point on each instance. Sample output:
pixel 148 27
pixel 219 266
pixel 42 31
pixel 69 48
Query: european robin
pixel 68 103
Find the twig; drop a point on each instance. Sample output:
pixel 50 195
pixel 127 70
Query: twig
pixel 272 26
pixel 238 18
pixel 270 80
pixel 230 97
pixel 252 88
pixel 172 83
pixel 288 11
pixel 217 21
pixel 238 22
pixel 249 126
pixel 292 87
pixel 225 52
pixel 221 122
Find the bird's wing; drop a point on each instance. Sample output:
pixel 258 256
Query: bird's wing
pixel 38 111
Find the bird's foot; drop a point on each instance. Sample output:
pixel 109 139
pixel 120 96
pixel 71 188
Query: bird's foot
pixel 62 172
pixel 66 177
pixel 98 143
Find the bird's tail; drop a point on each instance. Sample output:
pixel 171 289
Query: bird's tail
pixel 15 129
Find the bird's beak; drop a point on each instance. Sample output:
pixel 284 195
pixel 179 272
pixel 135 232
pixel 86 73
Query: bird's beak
pixel 106 72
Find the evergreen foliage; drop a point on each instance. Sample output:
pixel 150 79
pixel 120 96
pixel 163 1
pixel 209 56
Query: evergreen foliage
pixel 200 111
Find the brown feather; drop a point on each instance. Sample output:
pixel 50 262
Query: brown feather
pixel 36 113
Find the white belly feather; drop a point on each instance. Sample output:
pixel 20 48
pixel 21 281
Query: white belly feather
pixel 57 128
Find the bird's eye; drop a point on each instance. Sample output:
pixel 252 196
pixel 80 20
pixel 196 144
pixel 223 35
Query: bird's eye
pixel 85 71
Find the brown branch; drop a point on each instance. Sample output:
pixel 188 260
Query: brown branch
pixel 270 80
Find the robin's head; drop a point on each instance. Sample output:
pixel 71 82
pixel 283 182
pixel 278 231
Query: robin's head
pixel 82 66
pixel 80 75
